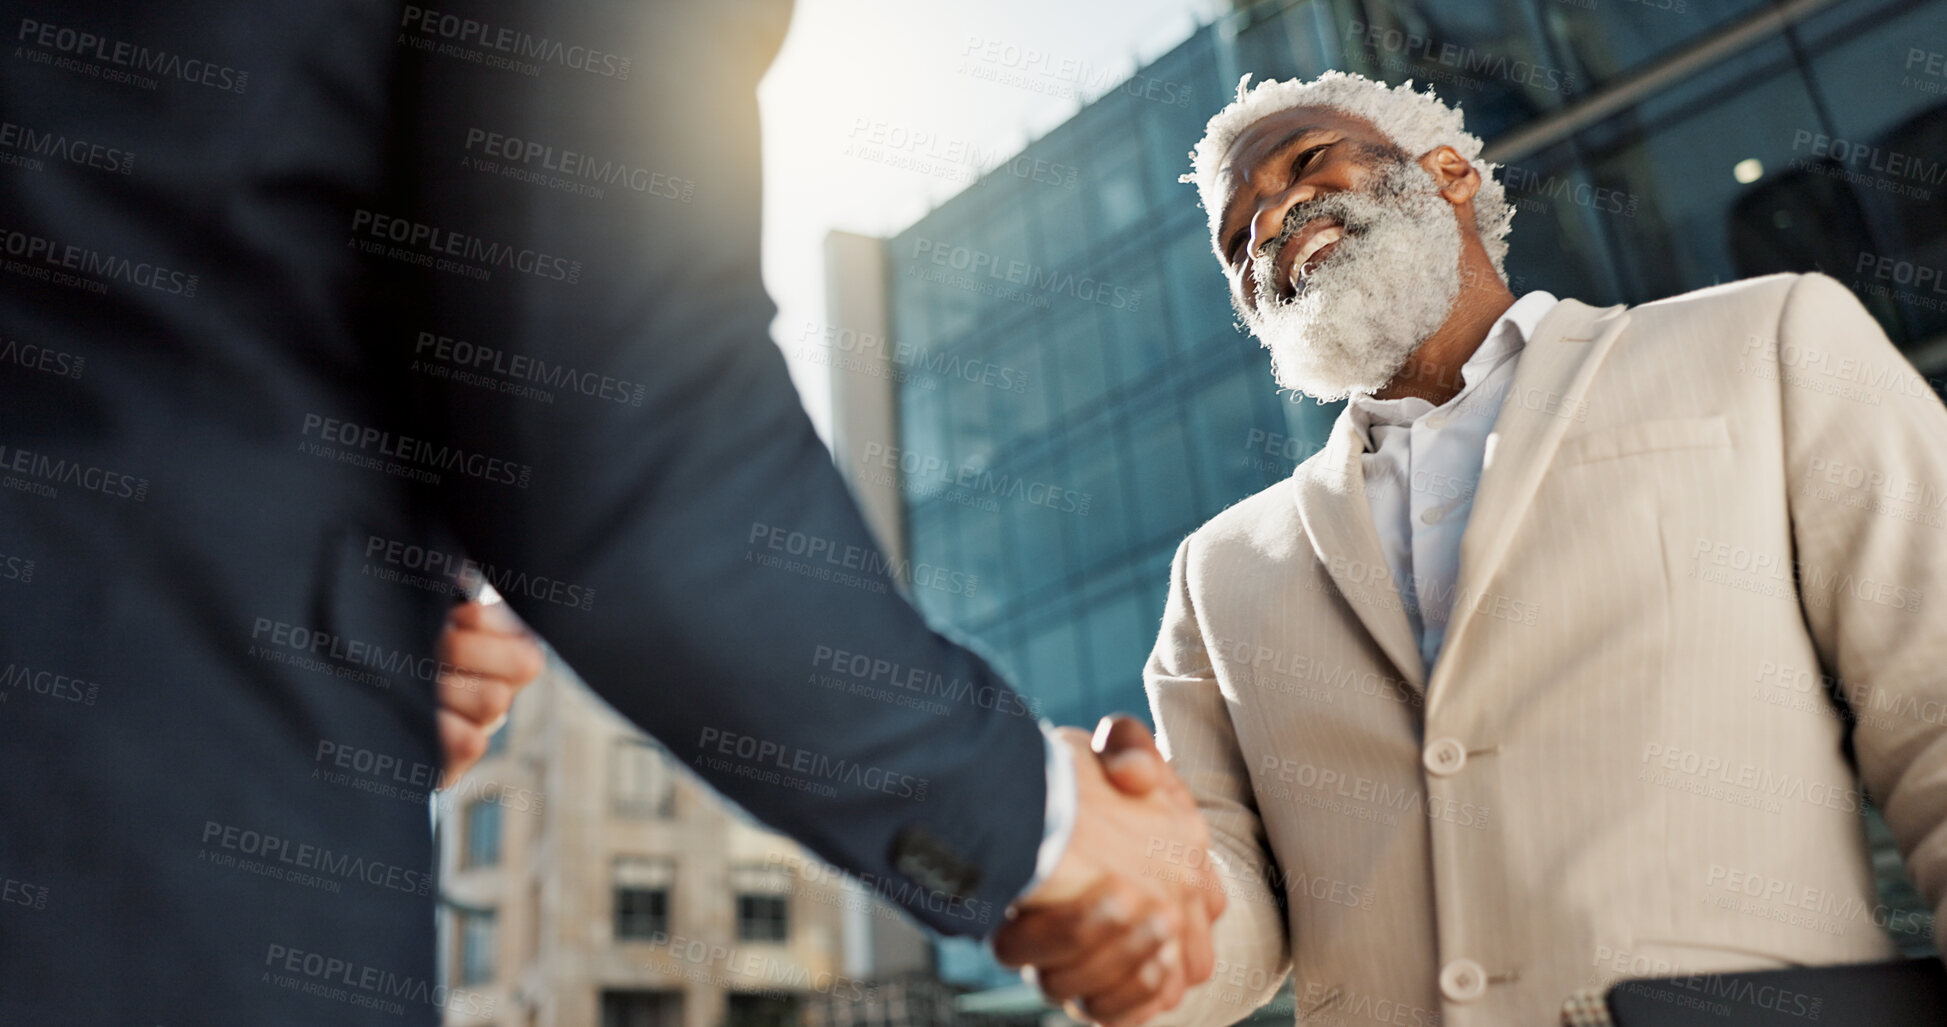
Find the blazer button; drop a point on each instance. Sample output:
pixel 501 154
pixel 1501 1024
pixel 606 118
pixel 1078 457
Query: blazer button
pixel 1444 757
pixel 1463 980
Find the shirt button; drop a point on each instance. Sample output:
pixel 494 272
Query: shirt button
pixel 1433 516
pixel 1463 980
pixel 1444 757
pixel 1437 421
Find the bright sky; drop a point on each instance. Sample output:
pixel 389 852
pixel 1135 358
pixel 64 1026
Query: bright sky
pixel 936 79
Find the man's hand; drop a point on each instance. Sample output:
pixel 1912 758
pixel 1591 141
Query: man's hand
pixel 492 656
pixel 1122 926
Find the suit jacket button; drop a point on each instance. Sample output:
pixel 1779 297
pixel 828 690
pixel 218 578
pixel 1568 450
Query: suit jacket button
pixel 1463 980
pixel 1444 757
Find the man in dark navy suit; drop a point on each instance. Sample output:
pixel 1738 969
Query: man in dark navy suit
pixel 309 310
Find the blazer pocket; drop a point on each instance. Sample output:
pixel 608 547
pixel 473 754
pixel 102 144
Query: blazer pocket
pixel 1647 437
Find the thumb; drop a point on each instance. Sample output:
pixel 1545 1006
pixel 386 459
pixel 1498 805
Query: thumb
pixel 1129 755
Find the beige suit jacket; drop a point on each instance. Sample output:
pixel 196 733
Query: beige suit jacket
pixel 1696 517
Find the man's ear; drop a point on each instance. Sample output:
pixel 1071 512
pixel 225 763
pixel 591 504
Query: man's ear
pixel 1456 175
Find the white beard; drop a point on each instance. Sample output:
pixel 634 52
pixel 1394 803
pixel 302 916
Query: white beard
pixel 1389 285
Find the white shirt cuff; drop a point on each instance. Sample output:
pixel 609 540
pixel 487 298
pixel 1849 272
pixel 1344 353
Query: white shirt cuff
pixel 1059 823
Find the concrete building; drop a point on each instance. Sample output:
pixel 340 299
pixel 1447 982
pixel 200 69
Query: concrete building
pixel 587 881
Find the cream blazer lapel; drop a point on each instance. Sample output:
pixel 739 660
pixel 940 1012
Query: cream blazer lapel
pixel 1550 385
pixel 1331 497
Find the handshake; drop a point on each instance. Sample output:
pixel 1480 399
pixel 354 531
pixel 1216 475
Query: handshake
pixel 1122 926
pixel 1119 929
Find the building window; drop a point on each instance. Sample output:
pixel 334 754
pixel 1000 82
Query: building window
pixel 642 886
pixel 763 893
pixel 763 918
pixel 482 830
pixel 641 914
pixel 640 784
pixel 642 1009
pixel 476 929
pixel 745 1010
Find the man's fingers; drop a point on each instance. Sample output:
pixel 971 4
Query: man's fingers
pixel 1057 935
pixel 1132 761
pixel 480 700
pixel 1199 954
pixel 463 741
pixel 495 617
pixel 1155 986
pixel 1113 961
pixel 515 659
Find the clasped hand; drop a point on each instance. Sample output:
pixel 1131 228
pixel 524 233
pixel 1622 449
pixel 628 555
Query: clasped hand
pixel 1122 927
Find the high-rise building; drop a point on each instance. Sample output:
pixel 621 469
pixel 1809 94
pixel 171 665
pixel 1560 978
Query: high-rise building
pixel 1056 356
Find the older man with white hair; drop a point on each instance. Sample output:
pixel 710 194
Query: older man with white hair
pixel 1581 646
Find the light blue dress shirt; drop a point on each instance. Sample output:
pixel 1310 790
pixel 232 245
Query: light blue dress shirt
pixel 1422 464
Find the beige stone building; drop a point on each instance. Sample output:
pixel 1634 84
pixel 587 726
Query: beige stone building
pixel 587 882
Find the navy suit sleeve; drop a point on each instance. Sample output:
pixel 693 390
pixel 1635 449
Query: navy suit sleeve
pixel 660 508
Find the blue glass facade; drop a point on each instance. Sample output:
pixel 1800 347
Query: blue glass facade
pixel 1105 405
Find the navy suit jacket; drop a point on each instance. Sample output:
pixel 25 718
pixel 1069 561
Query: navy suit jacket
pixel 304 303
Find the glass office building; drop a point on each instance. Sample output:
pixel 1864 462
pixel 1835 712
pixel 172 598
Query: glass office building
pixel 1093 402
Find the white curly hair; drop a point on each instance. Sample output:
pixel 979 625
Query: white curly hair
pixel 1415 122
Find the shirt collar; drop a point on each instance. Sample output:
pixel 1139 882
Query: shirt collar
pixel 1505 338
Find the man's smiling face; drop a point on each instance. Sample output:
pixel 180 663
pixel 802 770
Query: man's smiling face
pixel 1343 254
pixel 1279 162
